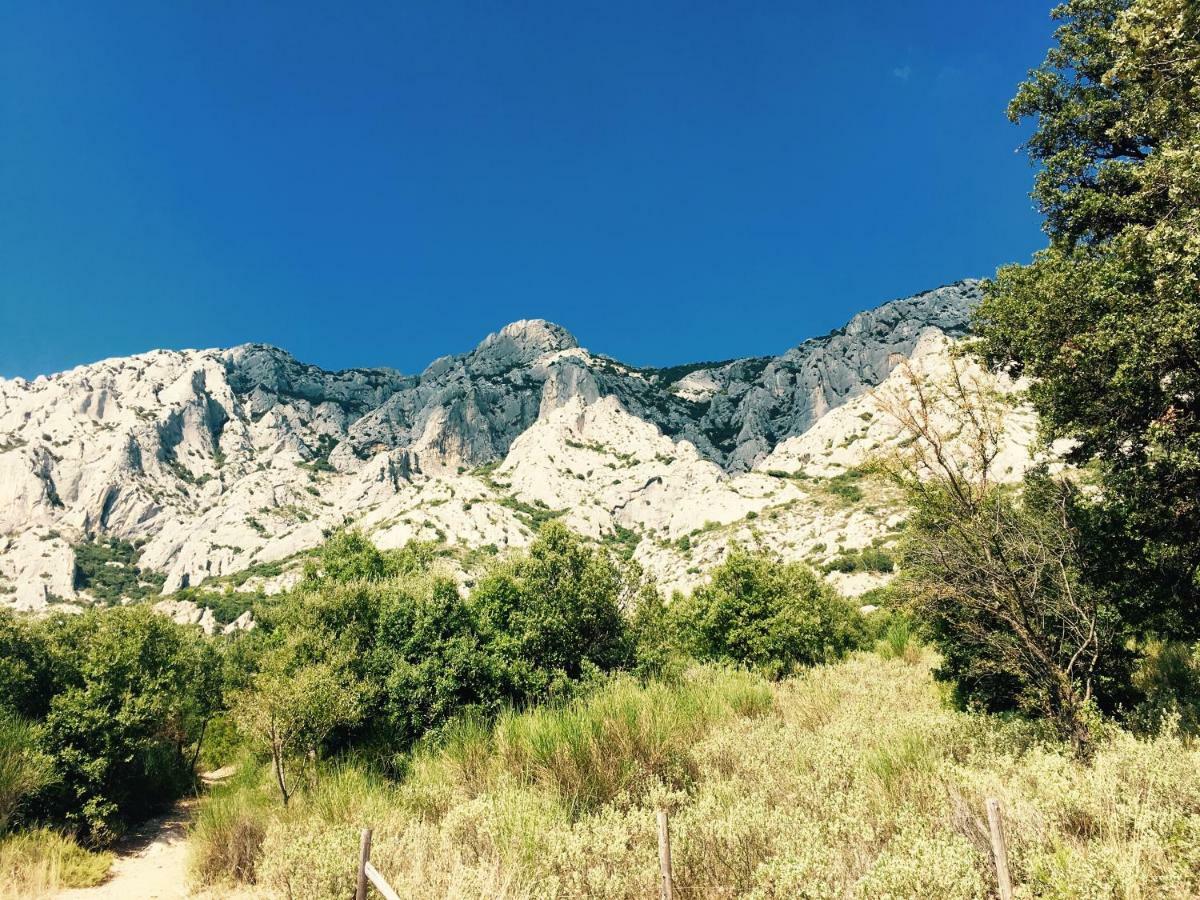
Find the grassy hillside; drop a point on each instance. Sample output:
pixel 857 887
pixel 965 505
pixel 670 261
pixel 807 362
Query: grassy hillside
pixel 855 779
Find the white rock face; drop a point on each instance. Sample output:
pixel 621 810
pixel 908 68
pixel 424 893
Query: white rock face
pixel 218 461
pixel 864 426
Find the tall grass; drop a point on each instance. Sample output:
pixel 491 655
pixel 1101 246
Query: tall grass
pixel 855 780
pixel 899 641
pixel 40 862
pixel 593 750
pixel 23 768
pixel 228 832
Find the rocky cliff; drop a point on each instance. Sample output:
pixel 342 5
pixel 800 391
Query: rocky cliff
pixel 216 462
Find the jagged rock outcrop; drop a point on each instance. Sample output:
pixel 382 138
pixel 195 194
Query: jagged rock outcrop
pixel 219 461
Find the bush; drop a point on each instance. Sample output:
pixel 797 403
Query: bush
pixel 844 486
pixel 867 559
pixel 555 613
pixel 24 667
pixel 350 556
pixel 777 617
pixel 130 693
pixel 108 568
pixel 1168 676
pixel 228 833
pixel 310 860
pixel 431 659
pixel 801 788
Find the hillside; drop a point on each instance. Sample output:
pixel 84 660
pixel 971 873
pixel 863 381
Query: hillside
pixel 221 464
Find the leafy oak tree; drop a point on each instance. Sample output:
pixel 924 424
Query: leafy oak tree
pixel 1107 318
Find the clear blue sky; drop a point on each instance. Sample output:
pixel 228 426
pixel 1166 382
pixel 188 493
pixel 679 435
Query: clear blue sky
pixel 382 183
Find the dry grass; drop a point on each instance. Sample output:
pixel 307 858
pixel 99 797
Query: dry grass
pixel 39 863
pixel 853 781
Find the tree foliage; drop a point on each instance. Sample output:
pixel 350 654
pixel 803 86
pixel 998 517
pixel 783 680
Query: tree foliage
pixel 120 698
pixel 303 689
pixel 556 612
pixel 1107 317
pixel 774 616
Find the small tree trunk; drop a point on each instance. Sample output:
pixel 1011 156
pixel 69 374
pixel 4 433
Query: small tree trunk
pixel 1072 720
pixel 277 759
pixel 199 745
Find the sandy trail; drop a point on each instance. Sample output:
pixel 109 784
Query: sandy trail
pixel 151 863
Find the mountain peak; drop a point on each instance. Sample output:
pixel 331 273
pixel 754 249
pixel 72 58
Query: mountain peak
pixel 539 334
pixel 524 341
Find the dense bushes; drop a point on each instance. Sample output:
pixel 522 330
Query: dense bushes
pixel 556 612
pixel 400 651
pixel 373 652
pixel 120 698
pixel 108 568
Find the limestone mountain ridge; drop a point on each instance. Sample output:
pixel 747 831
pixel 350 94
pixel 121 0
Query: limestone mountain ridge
pixel 214 462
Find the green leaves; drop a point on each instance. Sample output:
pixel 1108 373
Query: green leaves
pixel 1107 319
pixel 776 617
pixel 126 692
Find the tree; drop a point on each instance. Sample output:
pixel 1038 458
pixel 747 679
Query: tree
pixel 348 556
pixel 432 659
pixel 129 694
pixel 24 667
pixel 303 689
pixel 778 617
pixel 993 573
pixel 556 612
pixel 1107 318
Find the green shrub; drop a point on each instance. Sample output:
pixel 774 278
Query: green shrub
pixel 844 486
pixel 131 692
pixel 349 555
pixel 25 673
pixel 1168 677
pixel 555 613
pixel 108 569
pixel 866 559
pixel 431 659
pixel 777 617
pixel 226 605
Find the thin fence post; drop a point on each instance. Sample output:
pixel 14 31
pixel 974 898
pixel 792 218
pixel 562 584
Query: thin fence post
pixel 364 856
pixel 664 856
pixel 999 848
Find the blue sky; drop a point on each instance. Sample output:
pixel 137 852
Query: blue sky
pixel 382 183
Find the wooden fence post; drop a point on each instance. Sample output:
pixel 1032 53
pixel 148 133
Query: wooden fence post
pixel 364 856
pixel 664 856
pixel 999 848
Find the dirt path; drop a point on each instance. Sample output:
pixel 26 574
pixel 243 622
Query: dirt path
pixel 151 863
